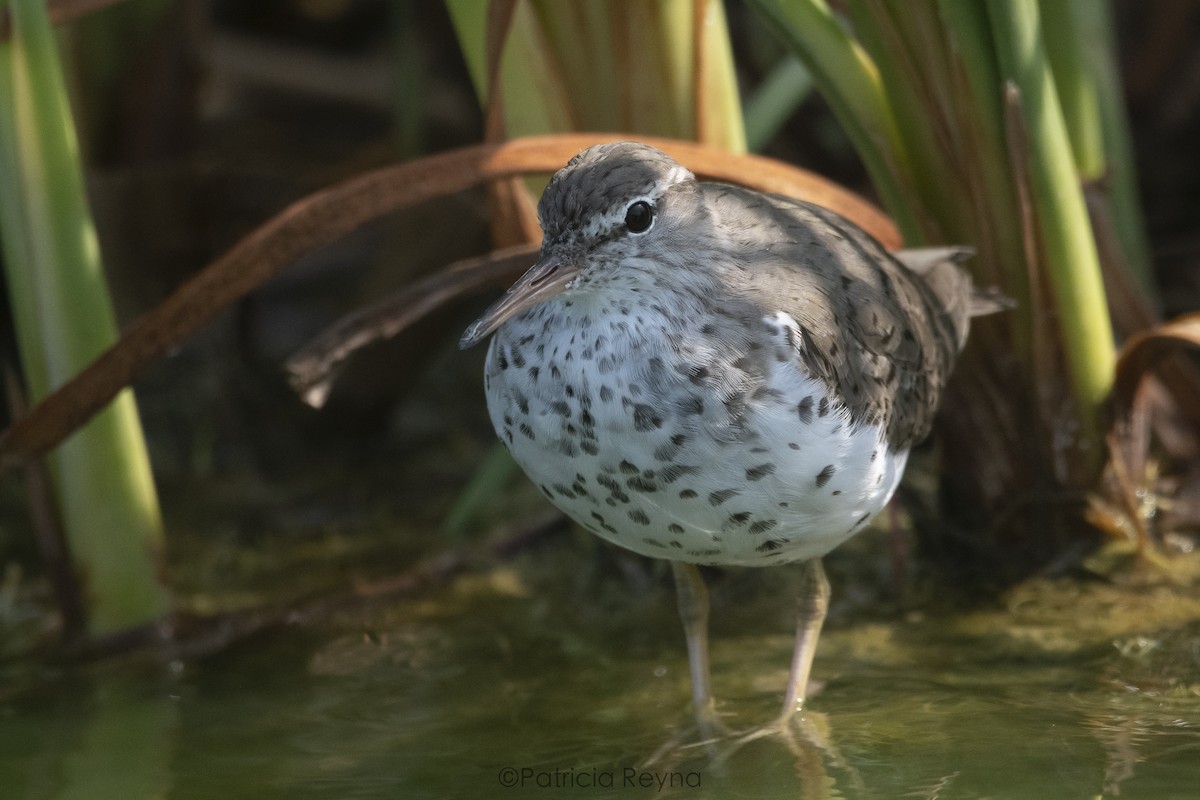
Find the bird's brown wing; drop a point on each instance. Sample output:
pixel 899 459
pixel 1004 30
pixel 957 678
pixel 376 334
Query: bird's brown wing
pixel 883 336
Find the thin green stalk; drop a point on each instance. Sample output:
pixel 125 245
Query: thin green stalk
pixel 851 84
pixel 496 472
pixel 776 99
pixel 594 65
pixel 1068 27
pixel 1119 177
pixel 64 319
pixel 898 45
pixel 1066 235
pixel 719 119
pixel 470 26
pixel 990 182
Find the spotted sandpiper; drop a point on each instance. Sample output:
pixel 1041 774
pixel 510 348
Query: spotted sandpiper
pixel 707 374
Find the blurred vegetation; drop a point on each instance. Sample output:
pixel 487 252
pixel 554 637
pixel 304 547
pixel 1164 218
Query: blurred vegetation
pixel 200 120
pixel 106 502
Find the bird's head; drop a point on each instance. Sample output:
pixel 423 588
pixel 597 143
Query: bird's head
pixel 612 205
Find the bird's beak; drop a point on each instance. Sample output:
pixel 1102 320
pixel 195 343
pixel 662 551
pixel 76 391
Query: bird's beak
pixel 549 276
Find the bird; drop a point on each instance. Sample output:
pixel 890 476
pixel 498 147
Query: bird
pixel 707 374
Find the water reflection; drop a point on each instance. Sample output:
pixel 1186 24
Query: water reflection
pixel 454 696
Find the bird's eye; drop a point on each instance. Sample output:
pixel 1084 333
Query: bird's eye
pixel 639 217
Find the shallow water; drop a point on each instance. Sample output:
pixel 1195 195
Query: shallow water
pixel 572 682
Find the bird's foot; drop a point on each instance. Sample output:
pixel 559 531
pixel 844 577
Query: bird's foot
pixel 804 733
pixel 707 733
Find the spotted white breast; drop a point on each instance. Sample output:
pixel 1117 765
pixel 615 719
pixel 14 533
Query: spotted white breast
pixel 663 441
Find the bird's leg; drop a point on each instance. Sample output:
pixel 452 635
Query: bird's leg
pixel 812 603
pixel 692 595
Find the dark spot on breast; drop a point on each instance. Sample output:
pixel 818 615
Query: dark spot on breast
pixel 639 516
pixel 824 475
pixel 654 542
pixel 564 491
pixel 687 494
pixel 793 446
pixel 646 418
pixel 500 359
pixel 675 528
pixel 739 518
pixel 596 515
pixel 527 431
pixel 763 525
pixel 770 546
pixel 805 409
pixel 712 551
pixel 823 409
pixel 760 472
pixel 560 408
pixel 718 497
pixel 674 472
pixel 665 452
pixel 765 393
pixel 589 447
pixel 697 375
pixel 518 360
pixel 629 468
pixel 534 372
pixel 606 394
pixel 640 484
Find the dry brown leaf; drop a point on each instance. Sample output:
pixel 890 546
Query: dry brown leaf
pixel 313 370
pixel 327 215
pixel 1151 391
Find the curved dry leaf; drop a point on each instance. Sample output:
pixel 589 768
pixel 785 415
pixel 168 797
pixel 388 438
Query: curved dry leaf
pixel 327 215
pixel 312 370
pixel 1145 350
pixel 1149 393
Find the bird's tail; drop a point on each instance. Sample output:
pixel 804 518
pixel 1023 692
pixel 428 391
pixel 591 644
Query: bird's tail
pixel 939 266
